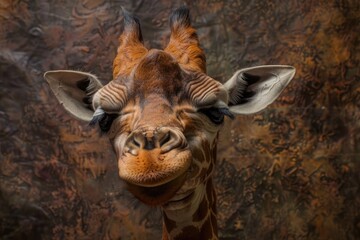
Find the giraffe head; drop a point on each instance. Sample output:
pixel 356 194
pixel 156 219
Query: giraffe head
pixel 161 112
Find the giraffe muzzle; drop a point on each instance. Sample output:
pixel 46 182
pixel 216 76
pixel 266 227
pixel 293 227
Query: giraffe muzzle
pixel 154 158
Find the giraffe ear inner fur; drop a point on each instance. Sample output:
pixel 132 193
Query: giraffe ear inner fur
pixel 253 89
pixel 74 90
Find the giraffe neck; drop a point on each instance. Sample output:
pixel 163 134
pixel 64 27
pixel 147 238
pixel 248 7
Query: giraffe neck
pixel 197 221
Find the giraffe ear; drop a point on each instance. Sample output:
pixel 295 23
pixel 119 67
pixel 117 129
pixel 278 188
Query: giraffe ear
pixel 74 90
pixel 253 89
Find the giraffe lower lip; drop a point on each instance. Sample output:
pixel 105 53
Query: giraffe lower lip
pixel 157 195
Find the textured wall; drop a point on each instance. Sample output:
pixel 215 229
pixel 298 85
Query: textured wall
pixel 290 172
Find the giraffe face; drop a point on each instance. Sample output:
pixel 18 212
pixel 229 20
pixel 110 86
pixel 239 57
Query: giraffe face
pixel 161 112
pixel 162 122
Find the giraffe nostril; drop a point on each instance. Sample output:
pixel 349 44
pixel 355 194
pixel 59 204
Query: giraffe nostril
pixel 164 139
pixel 172 140
pixel 136 142
pixel 133 144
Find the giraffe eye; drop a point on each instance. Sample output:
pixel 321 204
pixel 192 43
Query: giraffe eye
pixel 216 115
pixel 106 122
pixel 104 119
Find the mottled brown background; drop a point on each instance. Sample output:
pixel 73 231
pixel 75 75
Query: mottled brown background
pixel 290 172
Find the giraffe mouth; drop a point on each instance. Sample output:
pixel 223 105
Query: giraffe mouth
pixel 158 195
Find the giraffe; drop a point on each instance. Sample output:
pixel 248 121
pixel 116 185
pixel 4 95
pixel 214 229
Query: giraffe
pixel 162 115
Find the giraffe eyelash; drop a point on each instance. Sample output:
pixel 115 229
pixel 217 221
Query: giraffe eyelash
pixel 104 120
pixel 216 115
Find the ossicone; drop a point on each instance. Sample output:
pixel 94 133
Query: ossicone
pixel 132 24
pixel 180 18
